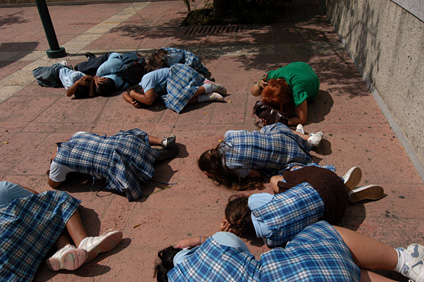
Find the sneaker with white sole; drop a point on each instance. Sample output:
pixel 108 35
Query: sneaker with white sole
pixel 168 142
pixel 352 177
pixel 299 129
pixel 414 269
pixel 368 192
pixel 100 244
pixel 69 258
pixel 216 97
pixel 315 138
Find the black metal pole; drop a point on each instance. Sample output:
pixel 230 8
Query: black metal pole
pixel 55 51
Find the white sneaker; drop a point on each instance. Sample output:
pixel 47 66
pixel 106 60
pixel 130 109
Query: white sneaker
pixel 414 268
pixel 315 138
pixel 352 177
pixel 65 63
pixel 69 258
pixel 216 97
pixel 220 88
pixel 100 244
pixel 368 192
pixel 299 128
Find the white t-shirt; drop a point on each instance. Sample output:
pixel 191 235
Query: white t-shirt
pixel 68 77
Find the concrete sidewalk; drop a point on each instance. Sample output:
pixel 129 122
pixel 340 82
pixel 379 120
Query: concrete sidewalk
pixel 33 119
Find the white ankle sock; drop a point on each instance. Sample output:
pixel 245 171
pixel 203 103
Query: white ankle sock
pixel 203 98
pixel 209 88
pixel 403 257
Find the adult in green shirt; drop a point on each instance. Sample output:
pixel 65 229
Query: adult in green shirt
pixel 288 89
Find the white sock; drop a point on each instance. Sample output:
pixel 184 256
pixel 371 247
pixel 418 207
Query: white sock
pixel 203 98
pixel 403 257
pixel 209 88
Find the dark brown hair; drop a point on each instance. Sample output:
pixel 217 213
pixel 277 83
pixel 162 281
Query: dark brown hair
pixel 165 263
pixel 213 162
pixel 238 215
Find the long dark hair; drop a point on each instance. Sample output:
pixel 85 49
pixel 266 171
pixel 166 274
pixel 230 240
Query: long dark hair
pixel 165 263
pixel 213 162
pixel 238 215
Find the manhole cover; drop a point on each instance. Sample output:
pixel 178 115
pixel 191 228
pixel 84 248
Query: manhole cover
pixel 213 29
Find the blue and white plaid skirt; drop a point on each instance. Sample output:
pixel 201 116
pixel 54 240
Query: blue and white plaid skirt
pixel 318 253
pixel 289 213
pixel 29 227
pixel 213 262
pixel 181 86
pixel 190 59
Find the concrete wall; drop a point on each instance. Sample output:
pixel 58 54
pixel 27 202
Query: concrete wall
pixel 387 44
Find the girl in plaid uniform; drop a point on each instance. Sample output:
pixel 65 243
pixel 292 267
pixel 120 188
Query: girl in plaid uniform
pixel 320 194
pixel 244 155
pixel 178 86
pixel 320 252
pixel 32 223
pixel 166 57
pixel 126 160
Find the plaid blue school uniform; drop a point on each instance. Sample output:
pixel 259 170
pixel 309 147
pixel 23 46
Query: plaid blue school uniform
pixel 275 147
pixel 213 262
pixel 181 85
pixel 125 159
pixel 29 227
pixel 188 59
pixel 318 253
pixel 289 213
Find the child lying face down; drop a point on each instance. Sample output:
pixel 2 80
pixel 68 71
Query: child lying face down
pixel 320 252
pixel 310 194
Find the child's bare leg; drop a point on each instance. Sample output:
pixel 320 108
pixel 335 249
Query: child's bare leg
pixel 367 252
pixel 153 140
pixel 369 276
pixel 75 228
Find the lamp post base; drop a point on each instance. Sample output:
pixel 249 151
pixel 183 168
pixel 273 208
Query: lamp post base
pixel 56 53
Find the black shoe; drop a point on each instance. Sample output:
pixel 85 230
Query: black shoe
pixel 89 55
pixel 168 142
pixel 165 154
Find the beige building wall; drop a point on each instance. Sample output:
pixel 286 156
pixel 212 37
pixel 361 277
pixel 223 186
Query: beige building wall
pixel 387 44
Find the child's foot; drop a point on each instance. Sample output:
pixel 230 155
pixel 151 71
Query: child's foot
pixel 413 268
pixel 299 128
pixel 168 142
pixel 216 97
pixel 100 244
pixel 352 177
pixel 69 258
pixel 368 192
pixel 315 138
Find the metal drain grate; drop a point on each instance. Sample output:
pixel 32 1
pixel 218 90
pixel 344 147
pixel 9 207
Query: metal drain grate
pixel 213 29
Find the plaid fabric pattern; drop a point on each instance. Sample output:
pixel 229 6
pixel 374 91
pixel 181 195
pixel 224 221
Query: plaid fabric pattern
pixel 29 227
pixel 181 85
pixel 318 253
pixel 275 147
pixel 213 262
pixel 189 59
pixel 290 212
pixel 125 160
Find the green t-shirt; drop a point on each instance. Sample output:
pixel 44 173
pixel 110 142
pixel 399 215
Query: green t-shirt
pixel 302 80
